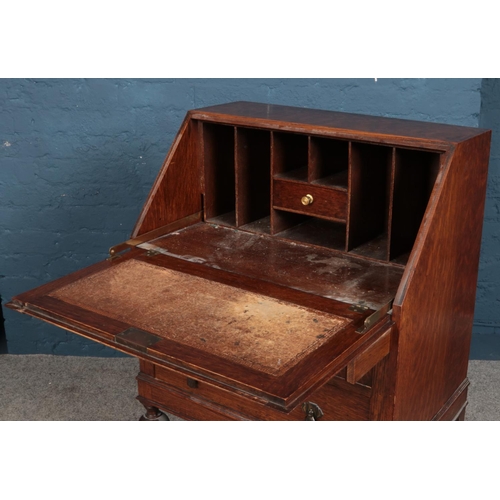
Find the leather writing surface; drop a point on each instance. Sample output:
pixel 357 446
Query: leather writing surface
pixel 244 327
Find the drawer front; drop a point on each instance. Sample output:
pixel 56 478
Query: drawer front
pixel 204 391
pixel 321 202
pixel 197 400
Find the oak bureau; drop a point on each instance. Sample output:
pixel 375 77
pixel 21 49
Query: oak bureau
pixel 294 264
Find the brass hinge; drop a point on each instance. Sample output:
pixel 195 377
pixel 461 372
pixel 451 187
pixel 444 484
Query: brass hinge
pixel 375 317
pixel 359 307
pixel 137 339
pixel 312 411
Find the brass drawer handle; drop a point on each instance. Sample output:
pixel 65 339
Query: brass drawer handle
pixel 307 199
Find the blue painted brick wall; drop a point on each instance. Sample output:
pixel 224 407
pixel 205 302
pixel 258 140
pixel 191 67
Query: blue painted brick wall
pixel 487 314
pixel 78 157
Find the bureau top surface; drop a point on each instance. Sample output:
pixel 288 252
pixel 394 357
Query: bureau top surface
pixel 320 121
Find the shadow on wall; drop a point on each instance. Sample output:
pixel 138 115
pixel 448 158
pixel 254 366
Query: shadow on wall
pixel 3 338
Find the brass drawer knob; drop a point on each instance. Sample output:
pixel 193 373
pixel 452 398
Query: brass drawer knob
pixel 307 199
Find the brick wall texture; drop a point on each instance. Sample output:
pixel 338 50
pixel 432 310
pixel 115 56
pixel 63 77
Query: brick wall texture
pixel 78 157
pixel 487 314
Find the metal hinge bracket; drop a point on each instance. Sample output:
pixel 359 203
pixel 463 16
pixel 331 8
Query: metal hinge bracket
pixel 375 317
pixel 359 307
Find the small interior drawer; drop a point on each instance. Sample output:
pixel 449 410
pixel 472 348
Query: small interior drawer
pixel 322 202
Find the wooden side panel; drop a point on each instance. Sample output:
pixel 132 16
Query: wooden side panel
pixel 176 192
pixel 434 306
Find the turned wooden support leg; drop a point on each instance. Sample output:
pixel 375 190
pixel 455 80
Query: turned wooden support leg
pixel 153 414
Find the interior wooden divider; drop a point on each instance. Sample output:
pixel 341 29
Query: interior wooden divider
pixel 308 160
pixel 288 160
pixel 390 187
pixel 328 162
pixel 387 189
pixel 219 168
pixel 253 179
pixel 290 155
pixel 415 173
pixel 370 168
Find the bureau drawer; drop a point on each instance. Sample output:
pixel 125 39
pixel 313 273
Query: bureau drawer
pixel 191 399
pixel 166 379
pixel 307 199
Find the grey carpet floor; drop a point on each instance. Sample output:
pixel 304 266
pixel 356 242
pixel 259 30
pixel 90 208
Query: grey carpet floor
pixel 41 387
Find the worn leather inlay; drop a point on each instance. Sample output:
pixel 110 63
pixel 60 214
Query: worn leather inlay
pixel 244 327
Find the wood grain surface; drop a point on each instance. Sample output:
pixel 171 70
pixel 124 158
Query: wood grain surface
pixel 434 307
pixel 327 203
pixel 180 173
pixel 319 271
pixel 345 125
